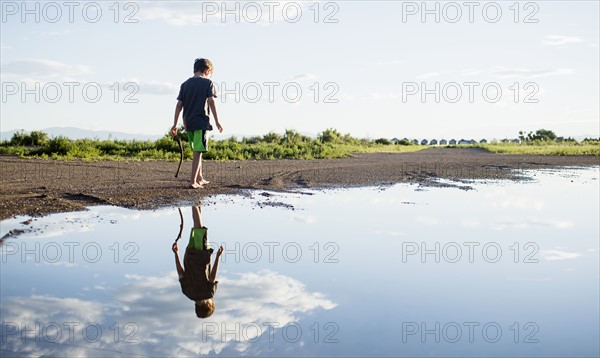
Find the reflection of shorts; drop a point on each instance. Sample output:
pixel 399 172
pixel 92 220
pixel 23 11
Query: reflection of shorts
pixel 199 239
pixel 198 140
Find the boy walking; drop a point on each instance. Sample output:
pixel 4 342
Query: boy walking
pixel 196 98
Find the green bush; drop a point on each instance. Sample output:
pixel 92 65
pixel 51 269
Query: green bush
pixel 60 145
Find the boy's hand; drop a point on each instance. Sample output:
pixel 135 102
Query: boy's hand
pixel 220 251
pixel 175 248
pixel 174 131
pixel 219 127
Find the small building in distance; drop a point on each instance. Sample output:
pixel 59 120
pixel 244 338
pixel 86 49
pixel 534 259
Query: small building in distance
pixel 464 142
pixel 504 140
pixel 516 140
pixel 424 142
pixel 483 141
pixel 443 142
pixel 394 140
pixel 433 142
pixel 452 142
pixel 415 141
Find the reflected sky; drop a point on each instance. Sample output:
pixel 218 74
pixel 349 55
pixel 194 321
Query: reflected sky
pixel 505 269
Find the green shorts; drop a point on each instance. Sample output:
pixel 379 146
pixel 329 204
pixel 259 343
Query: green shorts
pixel 198 140
pixel 199 239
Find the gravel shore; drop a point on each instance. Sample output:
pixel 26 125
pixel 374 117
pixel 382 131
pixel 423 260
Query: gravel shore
pixel 37 187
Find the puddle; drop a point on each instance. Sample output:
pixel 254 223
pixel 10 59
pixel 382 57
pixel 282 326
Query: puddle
pixel 506 269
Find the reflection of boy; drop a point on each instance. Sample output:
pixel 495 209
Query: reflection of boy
pixel 198 280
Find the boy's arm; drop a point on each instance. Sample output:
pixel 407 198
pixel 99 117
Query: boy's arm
pixel 215 268
pixel 178 109
pixel 213 109
pixel 180 271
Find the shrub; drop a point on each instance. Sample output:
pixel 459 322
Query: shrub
pixel 60 145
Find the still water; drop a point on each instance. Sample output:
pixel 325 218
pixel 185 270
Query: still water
pixel 506 269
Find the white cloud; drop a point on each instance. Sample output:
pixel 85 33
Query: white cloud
pixel 304 77
pixel 55 33
pixel 389 63
pixel 309 219
pixel 470 223
pixel 471 72
pixel 427 75
pixel 558 255
pixel 560 40
pixel 503 199
pixel 391 95
pixel 155 87
pixel 44 68
pixel 389 233
pixel 525 223
pixel 427 220
pixel 165 321
pixel 527 73
pixel 198 13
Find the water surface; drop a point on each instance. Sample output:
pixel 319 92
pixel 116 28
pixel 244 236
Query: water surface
pixel 509 268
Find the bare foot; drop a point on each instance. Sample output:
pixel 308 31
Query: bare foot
pixel 203 182
pixel 195 186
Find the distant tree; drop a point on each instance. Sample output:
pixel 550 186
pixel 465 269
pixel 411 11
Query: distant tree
pixel 591 140
pixel 271 137
pixel 38 138
pixel 293 137
pixel 251 140
pixel 383 141
pixel 330 136
pixel 545 135
pixel 19 138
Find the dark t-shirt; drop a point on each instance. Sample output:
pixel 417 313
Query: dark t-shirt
pixel 193 93
pixel 195 282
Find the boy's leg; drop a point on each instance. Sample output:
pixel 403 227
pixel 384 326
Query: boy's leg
pixel 196 162
pixel 200 178
pixel 203 144
pixel 197 141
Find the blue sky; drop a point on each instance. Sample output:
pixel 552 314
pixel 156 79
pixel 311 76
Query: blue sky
pixel 374 68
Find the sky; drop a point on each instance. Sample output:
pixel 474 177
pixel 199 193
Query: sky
pixel 369 68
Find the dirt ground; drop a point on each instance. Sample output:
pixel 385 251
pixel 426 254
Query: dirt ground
pixel 37 187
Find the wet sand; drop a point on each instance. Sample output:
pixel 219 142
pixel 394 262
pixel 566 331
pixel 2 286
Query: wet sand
pixel 37 187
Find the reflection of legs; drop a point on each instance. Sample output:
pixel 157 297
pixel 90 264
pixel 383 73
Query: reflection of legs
pixel 198 234
pixel 197 215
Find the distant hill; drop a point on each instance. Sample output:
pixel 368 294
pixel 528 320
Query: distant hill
pixel 78 133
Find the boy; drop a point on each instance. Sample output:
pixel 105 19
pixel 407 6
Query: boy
pixel 194 96
pixel 198 281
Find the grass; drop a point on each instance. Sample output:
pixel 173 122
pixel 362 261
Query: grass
pixel 290 145
pixel 569 148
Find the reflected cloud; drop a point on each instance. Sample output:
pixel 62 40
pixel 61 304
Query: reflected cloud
pixel 389 233
pixel 521 224
pixel 427 220
pixel 558 255
pixel 307 219
pixel 156 307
